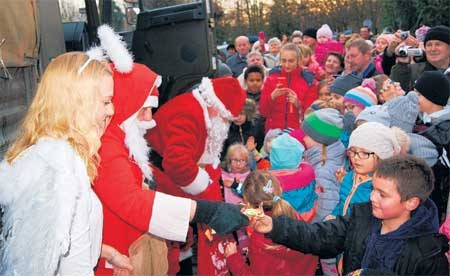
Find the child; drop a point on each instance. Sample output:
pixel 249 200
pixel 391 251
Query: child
pixel 324 90
pixel 368 144
pixel 326 44
pixel 254 80
pixel 397 233
pixel 358 98
pixel 434 89
pixel 266 257
pixel 243 128
pixel 287 92
pixel 308 62
pixel 297 178
pixel 263 159
pixel 237 169
pixel 341 85
pixel 326 154
pixel 233 176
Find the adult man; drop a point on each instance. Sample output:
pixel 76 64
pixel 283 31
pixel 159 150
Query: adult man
pixel 358 57
pixel 130 209
pixel 364 32
pixel 437 50
pixel 238 61
pixel 189 135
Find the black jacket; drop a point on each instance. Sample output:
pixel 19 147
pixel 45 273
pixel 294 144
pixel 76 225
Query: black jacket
pixel 424 255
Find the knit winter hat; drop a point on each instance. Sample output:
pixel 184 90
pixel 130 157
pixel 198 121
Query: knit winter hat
pixel 323 126
pixel 422 32
pixel 285 152
pixel 403 111
pixel 299 134
pixel 344 83
pixel 311 32
pixel 375 113
pixel 325 31
pixel 423 148
pixel 387 37
pixel 441 33
pixel 434 86
pixel 377 138
pixel 361 97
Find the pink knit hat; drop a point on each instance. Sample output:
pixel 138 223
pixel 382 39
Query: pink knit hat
pixel 387 37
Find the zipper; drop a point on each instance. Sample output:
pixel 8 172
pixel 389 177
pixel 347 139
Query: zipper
pixel 351 194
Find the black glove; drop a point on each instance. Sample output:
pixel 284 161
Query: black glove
pixel 223 217
pixel 348 121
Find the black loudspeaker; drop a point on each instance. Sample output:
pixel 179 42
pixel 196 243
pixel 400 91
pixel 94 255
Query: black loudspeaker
pixel 177 43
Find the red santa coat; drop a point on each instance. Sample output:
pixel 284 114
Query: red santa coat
pixel 275 112
pixel 180 138
pixel 128 210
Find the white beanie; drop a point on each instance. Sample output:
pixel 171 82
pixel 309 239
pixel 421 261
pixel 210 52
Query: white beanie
pixel 325 31
pixel 375 137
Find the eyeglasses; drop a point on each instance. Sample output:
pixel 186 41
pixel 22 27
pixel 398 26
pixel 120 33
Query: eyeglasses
pixel 361 154
pixel 238 161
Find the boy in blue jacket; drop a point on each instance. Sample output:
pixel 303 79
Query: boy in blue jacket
pixel 396 233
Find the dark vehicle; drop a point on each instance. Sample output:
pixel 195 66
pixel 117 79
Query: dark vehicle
pixel 173 37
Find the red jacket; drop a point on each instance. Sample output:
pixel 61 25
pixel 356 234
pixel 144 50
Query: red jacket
pixel 275 111
pixel 268 258
pixel 180 137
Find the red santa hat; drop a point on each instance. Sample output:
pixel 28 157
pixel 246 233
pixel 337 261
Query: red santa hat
pixel 134 90
pixel 226 94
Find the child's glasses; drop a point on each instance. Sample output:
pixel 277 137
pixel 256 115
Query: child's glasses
pixel 360 154
pixel 238 161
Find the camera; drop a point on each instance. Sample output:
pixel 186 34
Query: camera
pixel 404 35
pixel 405 51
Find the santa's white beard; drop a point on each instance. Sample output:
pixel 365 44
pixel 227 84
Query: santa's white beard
pixel 217 134
pixel 137 145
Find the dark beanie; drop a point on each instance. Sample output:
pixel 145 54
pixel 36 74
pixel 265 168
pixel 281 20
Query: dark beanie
pixel 311 32
pixel 434 86
pixel 441 33
pixel 344 83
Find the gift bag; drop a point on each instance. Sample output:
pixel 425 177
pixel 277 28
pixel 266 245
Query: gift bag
pixel 148 255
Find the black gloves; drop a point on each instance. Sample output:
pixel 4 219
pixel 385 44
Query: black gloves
pixel 223 217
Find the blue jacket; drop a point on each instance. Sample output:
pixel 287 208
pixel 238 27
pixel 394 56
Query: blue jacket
pixel 326 182
pixel 360 195
pixel 236 64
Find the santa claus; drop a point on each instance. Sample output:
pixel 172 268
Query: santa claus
pixel 130 209
pixel 188 138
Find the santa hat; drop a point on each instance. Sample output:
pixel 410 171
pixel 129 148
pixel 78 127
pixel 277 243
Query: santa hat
pixel 225 94
pixel 134 90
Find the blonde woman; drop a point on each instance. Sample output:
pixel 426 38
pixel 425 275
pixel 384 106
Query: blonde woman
pixel 52 221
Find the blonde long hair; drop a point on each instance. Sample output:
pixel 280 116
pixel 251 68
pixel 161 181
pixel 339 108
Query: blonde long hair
pixel 64 107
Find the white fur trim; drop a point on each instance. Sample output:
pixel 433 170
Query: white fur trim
pixel 199 184
pixel 202 103
pixel 206 90
pixel 116 49
pixel 93 53
pixel 170 217
pixel 151 101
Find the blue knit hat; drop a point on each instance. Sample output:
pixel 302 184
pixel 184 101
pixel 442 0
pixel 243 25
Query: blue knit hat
pixel 286 152
pixel 344 83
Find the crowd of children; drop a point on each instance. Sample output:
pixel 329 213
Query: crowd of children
pixel 347 167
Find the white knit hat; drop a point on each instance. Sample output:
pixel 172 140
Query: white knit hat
pixel 375 137
pixel 325 31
